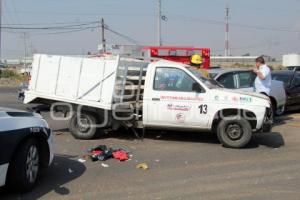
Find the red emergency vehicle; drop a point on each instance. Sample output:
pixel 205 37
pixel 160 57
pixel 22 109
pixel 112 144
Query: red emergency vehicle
pixel 177 54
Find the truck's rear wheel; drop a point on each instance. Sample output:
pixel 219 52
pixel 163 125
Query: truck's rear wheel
pixel 234 132
pixel 83 126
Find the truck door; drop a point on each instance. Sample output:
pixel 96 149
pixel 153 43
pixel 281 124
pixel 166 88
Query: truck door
pixel 173 101
pixel 294 91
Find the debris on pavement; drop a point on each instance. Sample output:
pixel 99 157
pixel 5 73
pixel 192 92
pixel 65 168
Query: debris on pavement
pixel 104 165
pixel 81 160
pixel 120 155
pixel 103 153
pixel 142 166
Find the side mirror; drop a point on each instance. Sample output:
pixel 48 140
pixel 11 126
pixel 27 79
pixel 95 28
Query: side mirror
pixel 197 88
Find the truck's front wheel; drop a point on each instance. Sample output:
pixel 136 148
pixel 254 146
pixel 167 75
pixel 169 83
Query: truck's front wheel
pixel 83 126
pixel 234 132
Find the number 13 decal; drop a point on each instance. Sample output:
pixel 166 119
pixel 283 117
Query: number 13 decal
pixel 203 109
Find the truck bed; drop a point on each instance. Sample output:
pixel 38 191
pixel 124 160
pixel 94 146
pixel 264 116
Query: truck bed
pixel 96 82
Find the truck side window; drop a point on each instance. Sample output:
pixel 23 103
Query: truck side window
pixel 172 79
pixel 227 80
pixel 246 79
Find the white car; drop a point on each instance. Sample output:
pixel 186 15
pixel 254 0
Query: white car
pixel 243 80
pixel 25 148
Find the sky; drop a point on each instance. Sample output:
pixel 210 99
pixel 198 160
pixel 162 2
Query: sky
pixel 258 27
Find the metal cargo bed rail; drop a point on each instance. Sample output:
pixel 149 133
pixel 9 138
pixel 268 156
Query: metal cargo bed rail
pixel 130 80
pixel 129 88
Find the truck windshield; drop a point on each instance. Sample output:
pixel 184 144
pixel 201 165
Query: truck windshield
pixel 210 83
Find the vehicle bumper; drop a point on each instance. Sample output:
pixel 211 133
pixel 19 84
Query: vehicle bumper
pixel 51 148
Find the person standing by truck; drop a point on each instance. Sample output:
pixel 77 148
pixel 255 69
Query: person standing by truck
pixel 263 80
pixel 197 62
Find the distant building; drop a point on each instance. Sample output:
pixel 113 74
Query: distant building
pixel 246 60
pixel 232 60
pixel 130 50
pixel 291 60
pixel 16 61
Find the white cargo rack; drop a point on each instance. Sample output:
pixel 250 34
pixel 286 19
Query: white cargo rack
pixel 97 82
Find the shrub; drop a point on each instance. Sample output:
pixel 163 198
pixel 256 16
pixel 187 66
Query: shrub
pixel 11 74
pixel 7 73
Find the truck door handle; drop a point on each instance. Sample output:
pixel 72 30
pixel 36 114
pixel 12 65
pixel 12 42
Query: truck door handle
pixel 155 99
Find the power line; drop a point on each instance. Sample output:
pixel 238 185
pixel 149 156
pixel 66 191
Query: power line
pixel 45 23
pixel 123 36
pixel 70 25
pixel 221 23
pixel 50 27
pixel 64 32
pixel 265 28
pixel 70 29
pixel 83 14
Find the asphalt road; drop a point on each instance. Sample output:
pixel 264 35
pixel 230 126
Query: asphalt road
pixel 181 166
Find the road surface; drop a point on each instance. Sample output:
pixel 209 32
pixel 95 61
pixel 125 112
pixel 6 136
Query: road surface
pixel 181 165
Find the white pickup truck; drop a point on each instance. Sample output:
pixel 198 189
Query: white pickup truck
pixel 113 91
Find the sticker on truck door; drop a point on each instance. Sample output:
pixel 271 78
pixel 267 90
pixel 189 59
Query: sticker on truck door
pixel 203 109
pixel 180 118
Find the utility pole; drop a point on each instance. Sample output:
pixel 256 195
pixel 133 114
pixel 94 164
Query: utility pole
pixel 227 52
pixel 103 36
pixel 0 31
pixel 159 41
pixel 25 50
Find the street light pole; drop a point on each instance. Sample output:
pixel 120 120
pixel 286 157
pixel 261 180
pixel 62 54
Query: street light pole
pixel 25 50
pixel 103 36
pixel 159 41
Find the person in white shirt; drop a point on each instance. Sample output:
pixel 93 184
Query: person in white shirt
pixel 263 80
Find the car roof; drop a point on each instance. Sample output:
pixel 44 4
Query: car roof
pixel 4 109
pixel 283 72
pixel 225 70
pixel 7 110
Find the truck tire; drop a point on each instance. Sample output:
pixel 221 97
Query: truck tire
pixel 234 132
pixel 24 168
pixel 86 129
